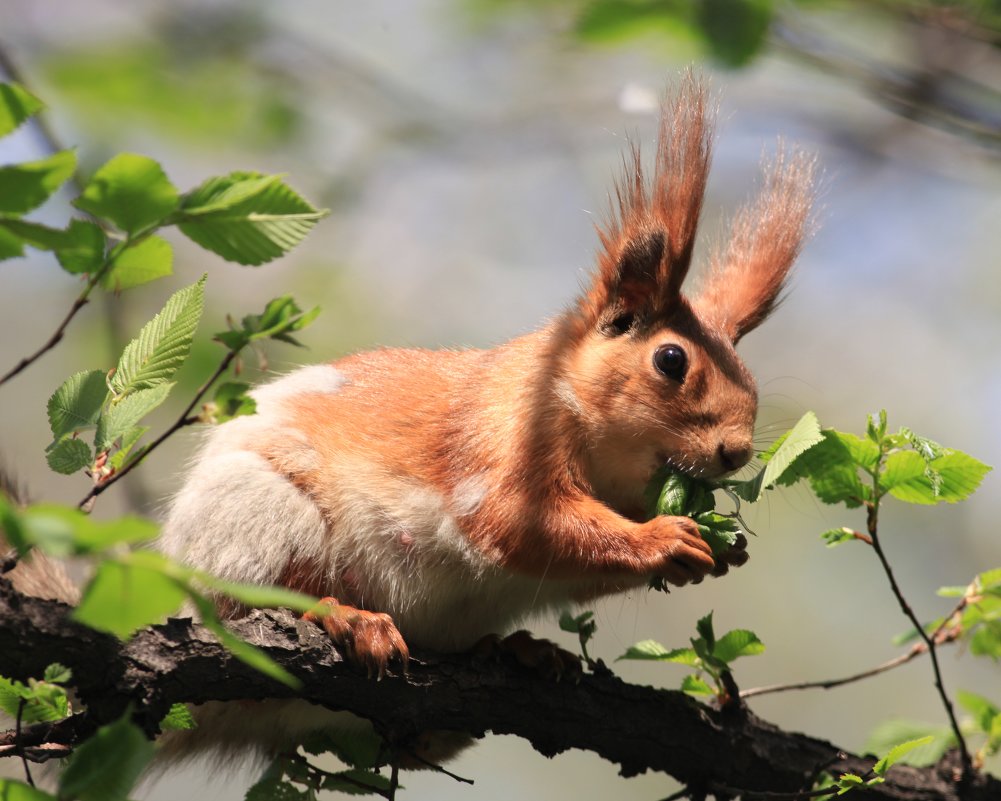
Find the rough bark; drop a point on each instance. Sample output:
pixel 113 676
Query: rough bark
pixel 639 728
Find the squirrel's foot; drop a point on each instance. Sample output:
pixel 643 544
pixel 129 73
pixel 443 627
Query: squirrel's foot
pixel 367 639
pixel 545 657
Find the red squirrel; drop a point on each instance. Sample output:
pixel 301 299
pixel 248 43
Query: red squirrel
pixel 440 496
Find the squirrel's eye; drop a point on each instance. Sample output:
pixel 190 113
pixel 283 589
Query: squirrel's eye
pixel 671 361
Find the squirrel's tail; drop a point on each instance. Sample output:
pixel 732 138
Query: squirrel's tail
pixel 35 574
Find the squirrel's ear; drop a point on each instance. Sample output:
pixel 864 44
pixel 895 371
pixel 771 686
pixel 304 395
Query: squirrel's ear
pixel 646 247
pixel 747 276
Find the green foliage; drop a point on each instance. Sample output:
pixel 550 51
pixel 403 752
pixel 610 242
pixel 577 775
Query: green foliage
pixel 179 718
pixel 38 701
pixel 708 654
pixel 11 790
pixel 131 191
pixel 936 740
pixel 87 776
pixel 247 217
pixel 292 776
pixel 26 186
pixel 17 104
pixel 583 625
pixel 280 318
pixel 231 400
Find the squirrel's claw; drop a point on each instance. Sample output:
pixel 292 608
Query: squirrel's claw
pixel 367 639
pixel 545 657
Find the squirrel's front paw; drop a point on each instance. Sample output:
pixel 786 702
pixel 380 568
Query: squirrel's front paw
pixel 734 556
pixel 367 639
pixel 677 553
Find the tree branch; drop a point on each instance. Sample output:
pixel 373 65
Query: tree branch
pixel 638 728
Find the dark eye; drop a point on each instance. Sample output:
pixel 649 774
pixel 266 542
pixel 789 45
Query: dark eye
pixel 671 361
pixel 622 323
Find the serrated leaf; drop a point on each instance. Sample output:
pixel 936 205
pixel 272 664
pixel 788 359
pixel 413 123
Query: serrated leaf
pixel 130 190
pixel 736 643
pixel 27 185
pixel 107 765
pixel 959 475
pixel 652 650
pixel 848 782
pixel 574 623
pixel 133 265
pixel 780 457
pixel 231 400
pixel 83 249
pixel 120 419
pixel 359 749
pixel 836 536
pixel 179 718
pixel 76 404
pixel 897 752
pixel 41 703
pixel 163 344
pixel 17 104
pixel 57 674
pixel 123 598
pixel 831 470
pixel 894 732
pixel 273 788
pixel 129 440
pixel 694 685
pixel 248 227
pixel 68 456
pixel 704 626
pixel 357 782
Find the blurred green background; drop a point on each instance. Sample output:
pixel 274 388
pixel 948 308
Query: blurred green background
pixel 466 149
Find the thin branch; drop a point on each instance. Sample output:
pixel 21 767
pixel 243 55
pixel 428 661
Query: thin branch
pixel 56 337
pixel 745 795
pixel 184 420
pixel 17 735
pixel 872 521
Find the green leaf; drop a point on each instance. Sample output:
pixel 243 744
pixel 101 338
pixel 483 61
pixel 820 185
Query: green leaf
pixel 79 247
pixel 69 455
pixel 280 317
pixel 258 597
pixel 958 474
pixel 57 674
pixel 11 246
pixel 984 712
pixel 163 344
pixel 736 643
pixel 12 525
pixel 582 623
pixel 123 598
pixel 848 782
pixel 986 640
pixel 694 685
pixel 780 457
pixel 129 440
pixel 894 732
pixel 179 718
pixel 247 218
pixel 28 185
pixel 274 788
pixel 84 249
pixel 107 766
pixel 836 536
pixel 64 531
pixel 130 190
pixel 120 419
pixel 133 265
pixel 231 400
pixel 612 21
pixel 897 752
pixel 359 749
pixel 831 470
pixel 704 627
pixel 42 703
pixel 76 405
pixel 673 497
pixel 16 105
pixel 735 30
pixel 652 650
pixel 11 790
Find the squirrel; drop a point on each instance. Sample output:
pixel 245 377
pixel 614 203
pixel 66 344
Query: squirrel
pixel 436 497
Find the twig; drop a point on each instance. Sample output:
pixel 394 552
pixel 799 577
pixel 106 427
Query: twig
pixel 56 337
pixel 872 523
pixel 735 792
pixel 438 768
pixel 17 735
pixel 184 420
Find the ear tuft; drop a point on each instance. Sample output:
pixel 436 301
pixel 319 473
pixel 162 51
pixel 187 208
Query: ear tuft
pixel 646 247
pixel 747 277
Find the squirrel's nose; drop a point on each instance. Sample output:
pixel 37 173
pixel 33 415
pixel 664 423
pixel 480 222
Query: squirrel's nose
pixel 733 455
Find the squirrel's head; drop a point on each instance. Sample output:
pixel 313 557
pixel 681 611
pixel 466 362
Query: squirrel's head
pixel 651 373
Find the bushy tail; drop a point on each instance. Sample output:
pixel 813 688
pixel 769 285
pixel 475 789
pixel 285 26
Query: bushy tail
pixel 35 574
